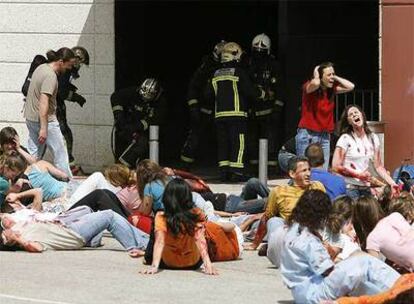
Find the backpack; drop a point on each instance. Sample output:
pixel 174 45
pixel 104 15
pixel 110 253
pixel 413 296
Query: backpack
pixel 37 60
pixel 404 174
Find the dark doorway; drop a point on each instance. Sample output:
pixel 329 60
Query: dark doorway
pixel 168 39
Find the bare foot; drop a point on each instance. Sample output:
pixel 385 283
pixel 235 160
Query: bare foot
pixel 136 253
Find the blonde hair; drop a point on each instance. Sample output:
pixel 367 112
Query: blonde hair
pixel 119 175
pixel 14 161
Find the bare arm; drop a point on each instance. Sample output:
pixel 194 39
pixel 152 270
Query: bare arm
pixel 43 117
pixel 344 85
pixel 13 238
pixel 35 193
pixel 157 254
pixel 315 83
pixel 260 234
pixel 59 174
pixel 381 170
pixel 201 243
pixel 29 158
pixel 338 166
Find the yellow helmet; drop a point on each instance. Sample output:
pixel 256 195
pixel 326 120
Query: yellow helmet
pixel 231 51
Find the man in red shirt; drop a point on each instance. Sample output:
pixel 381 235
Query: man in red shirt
pixel 317 118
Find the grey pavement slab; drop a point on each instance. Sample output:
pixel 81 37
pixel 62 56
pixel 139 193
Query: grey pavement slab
pixel 109 275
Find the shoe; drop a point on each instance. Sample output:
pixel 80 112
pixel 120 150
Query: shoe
pixel 262 250
pixel 238 177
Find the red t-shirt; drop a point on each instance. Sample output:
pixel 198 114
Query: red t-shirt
pixel 317 110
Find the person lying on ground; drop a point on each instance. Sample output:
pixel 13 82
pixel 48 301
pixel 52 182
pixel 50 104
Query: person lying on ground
pixel 41 236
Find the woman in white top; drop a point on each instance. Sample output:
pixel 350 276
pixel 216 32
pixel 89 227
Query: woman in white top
pixel 356 148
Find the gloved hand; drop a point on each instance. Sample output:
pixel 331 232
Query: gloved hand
pixel 195 115
pixel 78 99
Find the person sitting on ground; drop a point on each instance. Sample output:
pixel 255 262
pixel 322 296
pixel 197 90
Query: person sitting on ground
pixel 393 236
pixel 10 141
pixel 283 199
pixel 334 184
pixel 307 268
pixel 180 241
pixel 357 155
pixel 366 213
pixel 41 236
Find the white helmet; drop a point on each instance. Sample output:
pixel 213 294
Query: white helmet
pixel 261 43
pixel 218 48
pixel 231 51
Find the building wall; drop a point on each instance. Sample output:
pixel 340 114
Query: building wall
pixel 397 78
pixel 30 27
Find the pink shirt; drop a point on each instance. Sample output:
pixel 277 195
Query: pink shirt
pixel 387 236
pixel 129 197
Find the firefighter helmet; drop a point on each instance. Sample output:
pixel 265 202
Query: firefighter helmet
pixel 218 48
pixel 261 43
pixel 231 51
pixel 150 89
pixel 82 54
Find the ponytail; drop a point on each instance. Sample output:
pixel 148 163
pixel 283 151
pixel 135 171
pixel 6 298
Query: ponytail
pixel 64 54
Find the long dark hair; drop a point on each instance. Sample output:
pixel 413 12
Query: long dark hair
pixel 311 211
pixel 64 54
pixel 329 91
pixel 366 214
pixel 148 171
pixel 346 128
pixel 178 203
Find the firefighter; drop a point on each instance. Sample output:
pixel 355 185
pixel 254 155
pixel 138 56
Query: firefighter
pixel 68 91
pixel 265 119
pixel 201 111
pixel 231 89
pixel 135 109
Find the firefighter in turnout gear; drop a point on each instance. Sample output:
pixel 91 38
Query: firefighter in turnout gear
pixel 68 91
pixel 135 109
pixel 232 90
pixel 201 110
pixel 265 119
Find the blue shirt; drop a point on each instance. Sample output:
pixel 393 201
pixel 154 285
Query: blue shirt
pixel 303 258
pixel 4 187
pixel 334 184
pixel 155 190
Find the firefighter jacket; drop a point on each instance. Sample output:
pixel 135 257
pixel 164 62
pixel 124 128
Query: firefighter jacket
pixel 232 90
pixel 131 112
pixel 264 71
pixel 198 83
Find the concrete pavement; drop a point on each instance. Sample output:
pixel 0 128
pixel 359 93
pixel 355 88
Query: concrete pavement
pixel 109 275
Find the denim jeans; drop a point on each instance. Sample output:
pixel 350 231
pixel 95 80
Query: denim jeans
pixel 305 137
pixel 54 142
pixel 283 159
pixel 90 225
pixel 357 192
pixel 276 232
pixel 254 188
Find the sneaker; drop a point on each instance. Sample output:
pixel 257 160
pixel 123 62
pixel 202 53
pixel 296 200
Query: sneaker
pixel 262 250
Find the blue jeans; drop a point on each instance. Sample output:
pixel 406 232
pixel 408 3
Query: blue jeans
pixel 54 142
pixel 254 188
pixel 283 159
pixel 355 276
pixel 357 192
pixel 91 225
pixel 248 201
pixel 305 137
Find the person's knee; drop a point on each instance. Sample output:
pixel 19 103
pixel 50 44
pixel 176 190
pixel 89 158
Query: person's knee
pixel 253 182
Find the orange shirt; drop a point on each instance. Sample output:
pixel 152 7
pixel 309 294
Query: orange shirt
pixel 181 250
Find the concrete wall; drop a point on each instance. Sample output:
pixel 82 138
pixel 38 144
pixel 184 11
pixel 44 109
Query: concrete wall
pixel 397 79
pixel 30 27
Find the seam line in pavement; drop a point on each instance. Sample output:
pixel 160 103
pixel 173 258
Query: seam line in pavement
pixel 31 299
